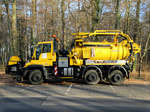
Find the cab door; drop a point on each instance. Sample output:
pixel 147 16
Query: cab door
pixel 44 54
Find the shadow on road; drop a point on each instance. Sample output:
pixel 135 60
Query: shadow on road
pixel 51 97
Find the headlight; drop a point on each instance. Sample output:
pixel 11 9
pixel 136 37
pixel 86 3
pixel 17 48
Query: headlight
pixel 13 69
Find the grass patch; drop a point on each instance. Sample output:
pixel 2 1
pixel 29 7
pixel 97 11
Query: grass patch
pixel 145 75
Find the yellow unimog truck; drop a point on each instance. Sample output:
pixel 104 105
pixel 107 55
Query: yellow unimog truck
pixel 104 55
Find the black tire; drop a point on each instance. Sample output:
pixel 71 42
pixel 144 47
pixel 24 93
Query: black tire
pixel 116 77
pixel 19 79
pixel 91 77
pixel 36 77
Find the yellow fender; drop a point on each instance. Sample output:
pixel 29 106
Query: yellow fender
pixel 14 60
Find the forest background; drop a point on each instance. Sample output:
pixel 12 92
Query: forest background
pixel 26 22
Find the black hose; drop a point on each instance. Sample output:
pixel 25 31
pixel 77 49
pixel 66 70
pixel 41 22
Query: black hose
pixel 131 50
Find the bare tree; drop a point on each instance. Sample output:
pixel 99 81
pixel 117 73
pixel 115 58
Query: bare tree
pixel 33 20
pixel 117 14
pixel 97 7
pixel 63 22
pixel 137 18
pixel 14 29
pixel 143 54
pixel 127 16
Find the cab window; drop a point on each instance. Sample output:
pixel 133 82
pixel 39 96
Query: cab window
pixel 38 51
pixel 46 48
pixel 42 48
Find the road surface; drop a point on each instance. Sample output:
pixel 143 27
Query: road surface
pixel 74 97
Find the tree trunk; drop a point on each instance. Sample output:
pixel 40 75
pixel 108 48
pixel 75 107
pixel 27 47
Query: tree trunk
pixel 97 7
pixel 117 14
pixel 63 22
pixel 10 40
pixel 33 21
pixel 140 65
pixel 136 35
pixel 137 18
pixel 14 29
pixel 45 21
pixel 127 16
pixel 1 14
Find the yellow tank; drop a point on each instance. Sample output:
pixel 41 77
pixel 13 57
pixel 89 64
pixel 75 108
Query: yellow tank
pixel 102 51
pixel 115 50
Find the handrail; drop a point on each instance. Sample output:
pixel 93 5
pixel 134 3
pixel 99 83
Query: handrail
pixel 108 31
pixel 103 32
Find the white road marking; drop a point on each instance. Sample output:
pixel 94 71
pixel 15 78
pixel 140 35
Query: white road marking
pixel 112 89
pixel 69 88
pixel 130 94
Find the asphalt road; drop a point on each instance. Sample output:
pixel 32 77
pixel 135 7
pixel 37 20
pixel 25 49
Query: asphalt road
pixel 74 97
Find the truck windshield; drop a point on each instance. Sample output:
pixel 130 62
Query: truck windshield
pixel 42 48
pixel 46 48
pixel 38 51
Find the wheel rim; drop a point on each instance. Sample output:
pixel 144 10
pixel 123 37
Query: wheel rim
pixel 116 78
pixel 36 78
pixel 91 77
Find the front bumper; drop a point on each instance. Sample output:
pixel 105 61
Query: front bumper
pixel 13 70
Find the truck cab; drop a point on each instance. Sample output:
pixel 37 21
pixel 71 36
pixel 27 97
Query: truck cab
pixel 44 54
